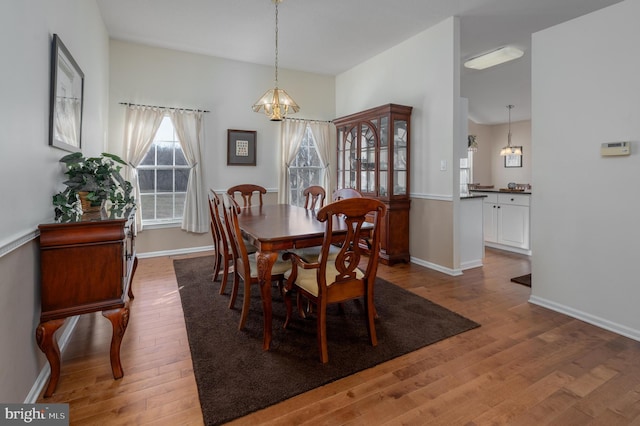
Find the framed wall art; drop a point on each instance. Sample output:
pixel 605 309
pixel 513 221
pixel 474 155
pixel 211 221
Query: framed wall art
pixel 513 160
pixel 241 147
pixel 67 90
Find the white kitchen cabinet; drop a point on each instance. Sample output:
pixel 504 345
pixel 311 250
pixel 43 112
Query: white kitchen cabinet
pixel 506 222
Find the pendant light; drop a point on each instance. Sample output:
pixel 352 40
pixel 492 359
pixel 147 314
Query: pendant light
pixel 510 150
pixel 276 103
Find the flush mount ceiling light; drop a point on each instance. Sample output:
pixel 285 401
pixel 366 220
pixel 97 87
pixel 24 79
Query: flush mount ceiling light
pixel 498 56
pixel 510 150
pixel 276 103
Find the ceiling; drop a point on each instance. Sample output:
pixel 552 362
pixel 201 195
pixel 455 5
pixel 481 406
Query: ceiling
pixel 331 36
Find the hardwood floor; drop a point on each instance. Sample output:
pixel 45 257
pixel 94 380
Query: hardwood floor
pixel 525 365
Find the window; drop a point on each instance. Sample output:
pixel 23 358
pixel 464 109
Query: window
pixel 163 175
pixel 306 169
pixel 466 173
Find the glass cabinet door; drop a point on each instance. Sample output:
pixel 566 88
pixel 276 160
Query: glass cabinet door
pixel 368 158
pixel 400 157
pixel 383 134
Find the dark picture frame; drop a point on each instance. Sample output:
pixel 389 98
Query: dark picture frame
pixel 513 160
pixel 66 99
pixel 241 147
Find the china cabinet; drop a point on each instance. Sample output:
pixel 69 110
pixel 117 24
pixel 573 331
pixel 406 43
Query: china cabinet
pixel 373 158
pixel 86 266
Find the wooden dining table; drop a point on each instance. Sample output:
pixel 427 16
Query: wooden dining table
pixel 273 228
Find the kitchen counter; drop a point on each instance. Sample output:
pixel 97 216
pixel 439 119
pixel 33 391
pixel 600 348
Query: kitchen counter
pixel 500 191
pixel 471 196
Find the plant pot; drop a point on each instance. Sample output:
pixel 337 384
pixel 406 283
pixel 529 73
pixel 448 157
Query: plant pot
pixel 86 204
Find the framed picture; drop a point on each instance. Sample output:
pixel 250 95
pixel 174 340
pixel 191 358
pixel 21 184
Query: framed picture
pixel 67 89
pixel 241 147
pixel 513 160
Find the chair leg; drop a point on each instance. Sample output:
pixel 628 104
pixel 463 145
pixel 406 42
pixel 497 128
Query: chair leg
pixel 299 306
pixel 225 274
pixel 321 317
pixel 246 303
pixel 216 266
pixel 371 313
pixel 234 289
pixel 287 303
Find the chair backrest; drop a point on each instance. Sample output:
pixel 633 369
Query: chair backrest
pixel 232 225
pixel 345 193
pixel 314 197
pixel 355 212
pixel 220 239
pixel 247 190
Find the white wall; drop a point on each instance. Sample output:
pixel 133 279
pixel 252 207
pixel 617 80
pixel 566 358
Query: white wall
pixel 156 76
pixel 421 72
pixel 30 173
pixel 585 208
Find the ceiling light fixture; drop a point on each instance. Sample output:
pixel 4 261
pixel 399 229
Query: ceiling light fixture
pixel 276 103
pixel 495 57
pixel 510 150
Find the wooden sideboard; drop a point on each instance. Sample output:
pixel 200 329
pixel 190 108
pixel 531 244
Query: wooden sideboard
pixel 86 266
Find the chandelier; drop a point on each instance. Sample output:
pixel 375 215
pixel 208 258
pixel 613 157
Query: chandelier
pixel 510 150
pixel 276 103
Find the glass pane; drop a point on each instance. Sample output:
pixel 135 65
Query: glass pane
pixel 150 158
pixel 180 159
pixel 165 153
pixel 165 181
pixel 146 178
pixel 371 182
pixel 400 186
pixel 384 159
pixel 164 206
pixel 147 206
pixel 383 185
pixel 182 179
pixel 165 131
pixel 400 132
pixel 179 205
pixel 384 131
pixel 400 162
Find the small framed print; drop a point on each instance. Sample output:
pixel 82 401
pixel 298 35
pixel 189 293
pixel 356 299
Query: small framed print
pixel 241 147
pixel 513 160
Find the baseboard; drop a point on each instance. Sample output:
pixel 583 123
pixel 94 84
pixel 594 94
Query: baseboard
pixel 586 317
pixel 176 252
pixel 471 264
pixel 43 377
pixel 507 248
pixel 436 267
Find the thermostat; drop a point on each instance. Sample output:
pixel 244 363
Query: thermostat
pixel 615 148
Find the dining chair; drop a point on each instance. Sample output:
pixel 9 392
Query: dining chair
pixel 314 197
pixel 245 264
pixel 336 281
pixel 246 191
pixel 344 193
pixel 223 257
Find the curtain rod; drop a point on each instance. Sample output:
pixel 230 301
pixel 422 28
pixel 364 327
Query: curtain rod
pixel 306 119
pixel 163 107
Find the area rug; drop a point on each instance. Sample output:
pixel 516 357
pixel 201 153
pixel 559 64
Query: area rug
pixel 524 280
pixel 236 377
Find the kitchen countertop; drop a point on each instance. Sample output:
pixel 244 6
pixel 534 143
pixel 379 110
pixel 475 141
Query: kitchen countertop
pixel 498 191
pixel 471 196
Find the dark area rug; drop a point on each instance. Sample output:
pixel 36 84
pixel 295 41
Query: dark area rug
pixel 524 280
pixel 236 377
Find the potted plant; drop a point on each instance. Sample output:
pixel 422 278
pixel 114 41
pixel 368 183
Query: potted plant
pixel 92 181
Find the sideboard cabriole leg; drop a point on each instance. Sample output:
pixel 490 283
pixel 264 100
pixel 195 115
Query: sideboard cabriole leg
pixel 49 345
pixel 119 320
pixel 133 274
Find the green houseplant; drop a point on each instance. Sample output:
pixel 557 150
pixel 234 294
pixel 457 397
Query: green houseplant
pixel 97 180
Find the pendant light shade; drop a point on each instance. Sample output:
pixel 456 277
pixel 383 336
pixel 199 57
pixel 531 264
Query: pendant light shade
pixel 276 103
pixel 510 150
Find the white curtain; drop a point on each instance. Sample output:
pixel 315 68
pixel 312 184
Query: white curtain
pixel 291 134
pixel 140 127
pixel 322 135
pixel 188 125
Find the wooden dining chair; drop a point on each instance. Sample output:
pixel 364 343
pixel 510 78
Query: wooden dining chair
pixel 223 257
pixel 314 197
pixel 336 281
pixel 246 191
pixel 345 193
pixel 245 264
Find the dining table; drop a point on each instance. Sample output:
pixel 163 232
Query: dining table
pixel 273 228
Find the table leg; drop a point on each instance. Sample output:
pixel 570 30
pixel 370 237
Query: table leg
pixel 265 261
pixel 119 320
pixel 49 345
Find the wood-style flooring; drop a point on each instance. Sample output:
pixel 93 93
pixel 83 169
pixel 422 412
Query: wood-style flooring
pixel 525 365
